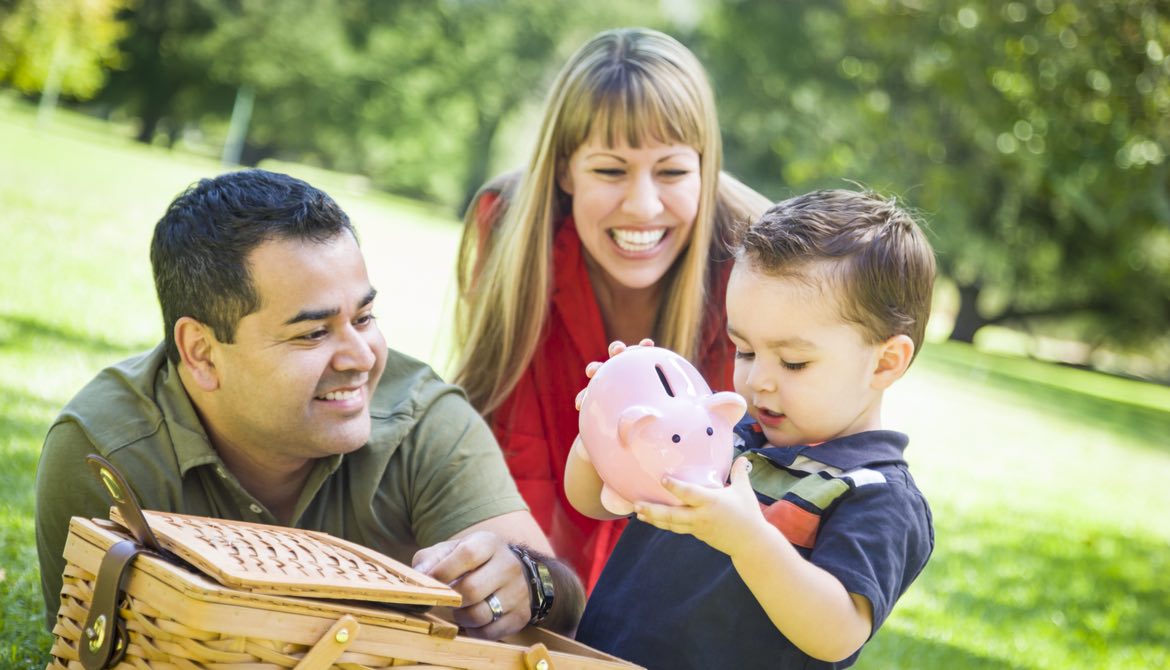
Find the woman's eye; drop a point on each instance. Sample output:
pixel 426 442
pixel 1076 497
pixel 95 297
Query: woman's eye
pixel 674 173
pixel 609 172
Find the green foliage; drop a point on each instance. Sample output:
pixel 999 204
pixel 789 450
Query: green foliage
pixel 1034 135
pixel 163 84
pixel 410 93
pixel 60 45
pixel 439 81
pixel 1046 483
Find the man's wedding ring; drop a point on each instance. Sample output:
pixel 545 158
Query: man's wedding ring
pixel 494 605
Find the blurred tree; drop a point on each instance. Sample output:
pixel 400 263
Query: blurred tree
pixel 59 46
pixel 163 79
pixel 451 73
pixel 1034 134
pixel 411 93
pixel 299 59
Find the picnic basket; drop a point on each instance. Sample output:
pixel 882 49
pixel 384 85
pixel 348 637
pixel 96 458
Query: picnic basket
pixel 228 595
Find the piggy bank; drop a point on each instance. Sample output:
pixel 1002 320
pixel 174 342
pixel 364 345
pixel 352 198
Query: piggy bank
pixel 647 412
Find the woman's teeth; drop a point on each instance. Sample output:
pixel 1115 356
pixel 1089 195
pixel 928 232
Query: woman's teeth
pixel 640 239
pixel 342 395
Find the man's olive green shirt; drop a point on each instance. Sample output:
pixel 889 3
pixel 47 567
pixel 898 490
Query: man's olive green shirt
pixel 430 469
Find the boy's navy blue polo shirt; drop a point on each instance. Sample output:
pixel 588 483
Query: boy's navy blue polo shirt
pixel 848 505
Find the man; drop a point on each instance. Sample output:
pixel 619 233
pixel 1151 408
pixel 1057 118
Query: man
pixel 274 399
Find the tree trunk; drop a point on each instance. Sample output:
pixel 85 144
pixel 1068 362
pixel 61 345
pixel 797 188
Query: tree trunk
pixel 968 320
pixel 150 120
pixel 233 147
pixel 479 156
pixel 52 86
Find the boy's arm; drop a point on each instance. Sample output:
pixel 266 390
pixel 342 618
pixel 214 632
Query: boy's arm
pixel 583 485
pixel 806 603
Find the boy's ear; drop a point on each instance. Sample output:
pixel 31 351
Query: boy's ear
pixel 196 342
pixel 894 356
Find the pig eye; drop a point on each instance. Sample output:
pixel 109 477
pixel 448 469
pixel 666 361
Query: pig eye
pixel 710 430
pixel 675 438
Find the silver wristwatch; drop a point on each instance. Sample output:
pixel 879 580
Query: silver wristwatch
pixel 540 583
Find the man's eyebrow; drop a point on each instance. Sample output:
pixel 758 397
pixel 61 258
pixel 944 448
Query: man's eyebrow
pixel 312 315
pixel 369 297
pixel 323 314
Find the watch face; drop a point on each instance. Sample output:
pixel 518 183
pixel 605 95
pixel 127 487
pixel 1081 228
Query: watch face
pixel 546 583
pixel 540 584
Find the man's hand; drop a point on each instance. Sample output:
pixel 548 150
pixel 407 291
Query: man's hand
pixel 480 566
pixel 728 519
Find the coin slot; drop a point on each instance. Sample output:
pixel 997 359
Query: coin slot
pixel 662 378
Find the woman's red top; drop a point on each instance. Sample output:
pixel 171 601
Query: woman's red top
pixel 537 423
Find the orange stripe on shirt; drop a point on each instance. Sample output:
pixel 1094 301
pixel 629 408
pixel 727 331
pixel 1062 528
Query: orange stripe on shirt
pixel 798 525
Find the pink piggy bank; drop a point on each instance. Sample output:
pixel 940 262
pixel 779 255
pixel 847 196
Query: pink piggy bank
pixel 647 412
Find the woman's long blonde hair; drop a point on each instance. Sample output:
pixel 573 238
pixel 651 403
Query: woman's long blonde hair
pixel 629 84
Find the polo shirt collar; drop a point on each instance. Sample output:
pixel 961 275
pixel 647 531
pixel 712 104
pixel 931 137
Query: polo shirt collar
pixel 192 447
pixel 860 450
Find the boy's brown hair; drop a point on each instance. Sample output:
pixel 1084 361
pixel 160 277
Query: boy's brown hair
pixel 878 257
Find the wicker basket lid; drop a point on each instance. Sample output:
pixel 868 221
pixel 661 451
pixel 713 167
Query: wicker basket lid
pixel 292 561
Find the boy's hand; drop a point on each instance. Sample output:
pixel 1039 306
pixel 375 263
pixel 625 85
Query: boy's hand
pixel 728 519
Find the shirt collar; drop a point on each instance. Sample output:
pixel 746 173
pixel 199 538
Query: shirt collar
pixel 860 450
pixel 192 446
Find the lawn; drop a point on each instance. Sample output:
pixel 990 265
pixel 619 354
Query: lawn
pixel 1048 484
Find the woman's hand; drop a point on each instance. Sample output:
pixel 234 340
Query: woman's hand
pixel 582 483
pixel 616 347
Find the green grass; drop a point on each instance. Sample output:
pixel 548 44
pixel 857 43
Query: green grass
pixel 1048 484
pixel 1052 540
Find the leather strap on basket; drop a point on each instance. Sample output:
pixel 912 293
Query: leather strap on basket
pixel 103 640
pixel 123 496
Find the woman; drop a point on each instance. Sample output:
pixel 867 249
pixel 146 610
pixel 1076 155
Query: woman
pixel 617 230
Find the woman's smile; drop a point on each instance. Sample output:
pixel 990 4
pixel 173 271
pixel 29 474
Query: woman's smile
pixel 637 240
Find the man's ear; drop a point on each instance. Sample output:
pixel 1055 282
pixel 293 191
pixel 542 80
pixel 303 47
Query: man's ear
pixel 196 343
pixel 893 357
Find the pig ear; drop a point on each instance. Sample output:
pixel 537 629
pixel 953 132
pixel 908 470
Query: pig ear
pixel 726 405
pixel 633 419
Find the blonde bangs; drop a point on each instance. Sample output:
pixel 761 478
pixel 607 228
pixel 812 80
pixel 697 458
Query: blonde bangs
pixel 619 104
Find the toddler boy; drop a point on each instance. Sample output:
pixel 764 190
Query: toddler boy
pixel 798 563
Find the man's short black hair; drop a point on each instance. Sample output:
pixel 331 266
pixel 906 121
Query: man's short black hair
pixel 199 252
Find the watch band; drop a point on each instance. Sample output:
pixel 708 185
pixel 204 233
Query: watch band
pixel 540 583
